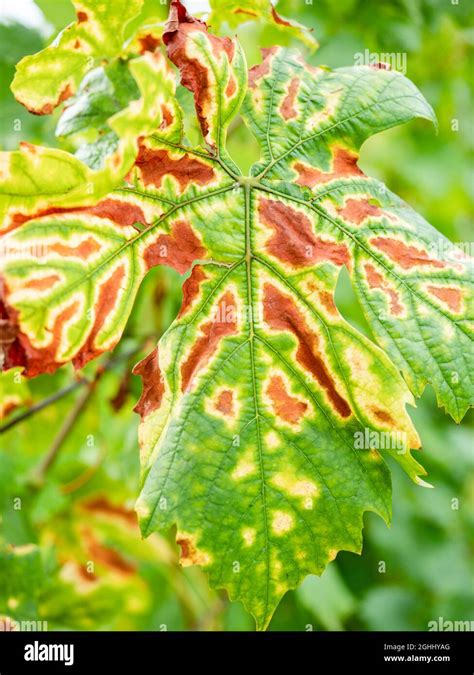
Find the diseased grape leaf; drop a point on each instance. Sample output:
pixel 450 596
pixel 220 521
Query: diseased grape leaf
pixel 46 79
pixel 236 12
pixel 255 402
pixel 104 92
pixel 35 179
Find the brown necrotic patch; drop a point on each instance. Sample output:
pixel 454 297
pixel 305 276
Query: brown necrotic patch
pixel 231 86
pixel 248 12
pixel 153 384
pixel 104 306
pixel 43 283
pixel 190 555
pixel 405 255
pixel 167 116
pixel 222 324
pixel 450 296
pixel 119 212
pixel 87 248
pixel 325 299
pixel 376 280
pixel 294 241
pixel 154 165
pixel 344 164
pixel 178 249
pixel 191 289
pixel 38 360
pixel 225 403
pixel 279 19
pixel 357 210
pixel 262 69
pixel 383 416
pixel 106 556
pixel 148 43
pixel 286 407
pixel 282 314
pixel 287 107
pixel 102 506
pixel 48 108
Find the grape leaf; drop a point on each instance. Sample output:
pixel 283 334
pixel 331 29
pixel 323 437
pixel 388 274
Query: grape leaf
pixel 104 92
pixel 412 282
pixel 236 12
pixel 46 79
pixel 259 400
pixel 34 178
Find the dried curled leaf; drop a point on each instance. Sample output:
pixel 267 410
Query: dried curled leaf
pixel 254 400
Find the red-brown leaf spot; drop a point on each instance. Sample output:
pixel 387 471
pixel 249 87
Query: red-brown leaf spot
pixel 262 69
pixel 178 249
pixel 153 384
pixel 225 403
pixel 344 164
pixel 191 289
pixel 87 248
pixel 248 12
pixel 222 324
pixel 281 313
pixel 48 108
pixel 38 360
pixel 102 506
pixel 357 210
pixel 43 283
pixel 287 107
pixel 294 241
pixel 404 255
pixel 189 553
pixel 81 17
pixel 452 297
pixel 167 116
pixel 106 301
pixel 325 299
pixel 154 165
pixel 120 212
pixel 148 43
pixel 231 86
pixel 383 416
pixel 376 280
pixel 286 407
pixel 81 573
pixel 279 19
pixel 106 556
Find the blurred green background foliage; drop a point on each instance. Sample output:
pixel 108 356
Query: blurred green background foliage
pixel 54 523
